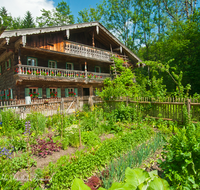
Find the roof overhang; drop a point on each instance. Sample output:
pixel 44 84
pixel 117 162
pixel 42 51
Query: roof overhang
pixel 99 27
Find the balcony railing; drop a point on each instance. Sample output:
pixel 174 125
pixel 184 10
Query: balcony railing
pixel 56 72
pixel 90 52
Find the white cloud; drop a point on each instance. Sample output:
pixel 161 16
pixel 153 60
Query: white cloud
pixel 19 7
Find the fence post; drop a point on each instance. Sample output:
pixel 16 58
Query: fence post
pixel 188 107
pixel 90 101
pixel 77 103
pixel 61 106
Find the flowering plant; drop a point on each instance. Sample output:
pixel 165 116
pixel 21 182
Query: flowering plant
pixel 28 72
pixel 36 72
pixel 77 75
pixel 83 76
pixel 59 74
pixel 72 94
pixel 53 94
pixel 43 73
pixel 52 73
pixel 34 95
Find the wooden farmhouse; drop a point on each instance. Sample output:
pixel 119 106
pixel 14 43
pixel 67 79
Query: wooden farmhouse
pixel 59 61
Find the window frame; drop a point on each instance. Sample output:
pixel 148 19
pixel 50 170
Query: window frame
pixel 36 64
pixel 50 66
pixel 69 63
pixel 98 68
pixel 8 64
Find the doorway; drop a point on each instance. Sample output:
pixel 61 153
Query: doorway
pixel 86 91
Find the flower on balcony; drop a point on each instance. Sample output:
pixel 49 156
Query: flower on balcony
pixel 15 70
pixel 34 95
pixel 59 74
pixel 3 96
pixel 53 94
pixel 52 73
pixel 77 75
pixel 28 72
pixel 83 76
pixel 36 72
pixel 43 73
pixel 90 76
pixel 8 96
pixel 72 94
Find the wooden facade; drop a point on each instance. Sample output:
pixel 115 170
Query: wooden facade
pixel 55 61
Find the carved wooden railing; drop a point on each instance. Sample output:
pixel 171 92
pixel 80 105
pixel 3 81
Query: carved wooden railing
pixel 87 51
pixel 56 72
pixel 91 52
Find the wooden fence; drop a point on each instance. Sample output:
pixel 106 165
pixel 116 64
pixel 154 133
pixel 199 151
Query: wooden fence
pixel 173 109
pixel 47 107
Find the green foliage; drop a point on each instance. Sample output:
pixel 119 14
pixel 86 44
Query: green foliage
pixel 135 179
pixel 10 122
pixel 181 166
pixel 37 120
pixel 82 165
pixel 59 16
pixel 28 21
pixel 90 139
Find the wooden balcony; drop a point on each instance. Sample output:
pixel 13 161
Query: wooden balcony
pixel 90 52
pixel 45 72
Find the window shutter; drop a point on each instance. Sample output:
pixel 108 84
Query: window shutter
pixel 59 92
pixel 76 91
pixel 40 92
pixel 72 66
pixel 11 94
pixel 49 64
pixel 6 93
pixel 47 92
pixel 9 63
pixel 5 64
pixel 26 92
pixel 55 64
pixel 0 95
pixel 66 92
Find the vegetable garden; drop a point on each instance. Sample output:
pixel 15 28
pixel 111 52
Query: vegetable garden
pixel 106 143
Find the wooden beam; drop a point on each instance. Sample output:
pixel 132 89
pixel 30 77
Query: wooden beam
pixel 5 55
pixel 3 43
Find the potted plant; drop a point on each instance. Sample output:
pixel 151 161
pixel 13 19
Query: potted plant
pixel 59 74
pixel 71 94
pixel 53 94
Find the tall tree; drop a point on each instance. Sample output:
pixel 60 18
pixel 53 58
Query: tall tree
pixel 91 14
pixel 5 18
pixel 28 21
pixel 61 15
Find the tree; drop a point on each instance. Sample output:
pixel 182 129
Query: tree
pixel 57 17
pixel 91 14
pixel 28 21
pixel 5 18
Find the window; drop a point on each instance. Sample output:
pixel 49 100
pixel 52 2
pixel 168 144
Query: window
pixel 8 64
pixel 33 92
pixel 52 64
pixel 0 69
pixel 71 92
pixel 97 69
pixel 32 61
pixel 69 66
pixel 53 92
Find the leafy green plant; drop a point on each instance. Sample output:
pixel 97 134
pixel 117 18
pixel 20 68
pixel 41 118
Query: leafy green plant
pixel 135 179
pixel 182 166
